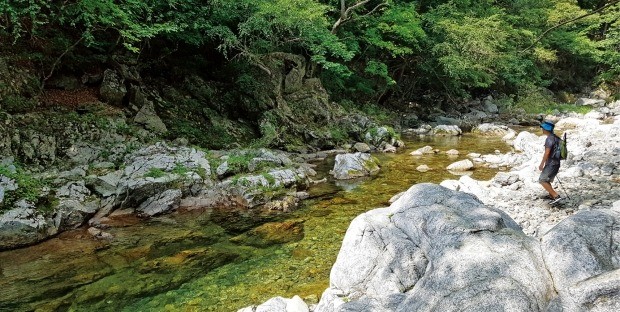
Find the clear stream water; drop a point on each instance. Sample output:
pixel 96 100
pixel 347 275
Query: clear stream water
pixel 217 260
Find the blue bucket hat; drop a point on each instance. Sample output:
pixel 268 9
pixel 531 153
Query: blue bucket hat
pixel 547 125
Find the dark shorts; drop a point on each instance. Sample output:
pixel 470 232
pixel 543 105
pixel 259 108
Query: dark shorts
pixel 549 172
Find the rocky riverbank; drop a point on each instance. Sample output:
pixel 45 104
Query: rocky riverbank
pixel 588 179
pixel 108 176
pixel 436 248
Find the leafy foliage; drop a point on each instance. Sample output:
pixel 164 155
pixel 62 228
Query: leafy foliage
pixel 405 50
pixel 29 187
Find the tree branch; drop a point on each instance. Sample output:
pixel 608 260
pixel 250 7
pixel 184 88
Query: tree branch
pixel 255 60
pixel 345 13
pixel 569 21
pixel 57 61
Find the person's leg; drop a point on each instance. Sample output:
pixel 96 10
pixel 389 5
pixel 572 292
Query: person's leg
pixel 546 177
pixel 549 189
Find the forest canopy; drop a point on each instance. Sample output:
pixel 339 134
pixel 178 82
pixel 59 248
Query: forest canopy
pixel 361 48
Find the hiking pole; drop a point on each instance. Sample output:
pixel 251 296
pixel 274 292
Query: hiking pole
pixel 565 192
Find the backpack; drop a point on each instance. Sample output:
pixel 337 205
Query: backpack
pixel 560 151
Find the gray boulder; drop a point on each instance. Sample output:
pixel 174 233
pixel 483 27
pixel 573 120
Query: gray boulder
pixel 361 147
pixel 6 185
pixel 349 166
pixel 422 130
pixel 161 203
pixel 106 185
pixel 422 150
pixel 591 102
pixel 24 226
pixel 492 129
pixel 449 130
pixel 72 213
pixel 379 135
pixel 222 169
pixel 583 257
pixel 112 88
pixel 154 169
pixel 490 107
pixel 148 117
pixel 74 190
pixel 435 249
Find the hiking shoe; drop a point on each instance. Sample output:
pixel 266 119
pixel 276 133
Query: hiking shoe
pixel 545 197
pixel 556 200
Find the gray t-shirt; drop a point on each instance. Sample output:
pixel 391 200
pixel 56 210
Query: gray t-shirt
pixel 550 142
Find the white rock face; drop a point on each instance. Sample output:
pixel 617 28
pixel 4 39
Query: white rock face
pixel 349 166
pixel 583 256
pixel 437 250
pixel 279 304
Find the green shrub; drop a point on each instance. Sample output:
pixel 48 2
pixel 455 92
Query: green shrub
pixel 270 178
pixel 537 101
pixel 180 169
pixel 339 135
pixel 155 173
pixel 238 162
pixel 15 104
pixel 29 187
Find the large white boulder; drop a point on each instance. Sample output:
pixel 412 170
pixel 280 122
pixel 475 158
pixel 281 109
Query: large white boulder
pixel 583 256
pixel 435 249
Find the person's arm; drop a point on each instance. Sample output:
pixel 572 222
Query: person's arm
pixel 545 158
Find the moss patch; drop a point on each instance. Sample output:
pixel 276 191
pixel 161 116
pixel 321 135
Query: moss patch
pixel 29 188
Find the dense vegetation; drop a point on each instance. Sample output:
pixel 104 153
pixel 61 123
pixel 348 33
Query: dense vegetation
pixel 381 51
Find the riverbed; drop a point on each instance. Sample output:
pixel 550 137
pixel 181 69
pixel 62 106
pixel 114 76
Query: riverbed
pixel 210 260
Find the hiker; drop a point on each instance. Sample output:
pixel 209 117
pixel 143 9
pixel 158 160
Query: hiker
pixel 549 165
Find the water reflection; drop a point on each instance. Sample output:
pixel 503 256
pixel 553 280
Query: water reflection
pixel 351 184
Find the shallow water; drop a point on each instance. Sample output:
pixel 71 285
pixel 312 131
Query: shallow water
pixel 217 260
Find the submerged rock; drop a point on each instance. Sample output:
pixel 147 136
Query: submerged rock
pixel 423 150
pixel 462 165
pixel 423 168
pixel 272 233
